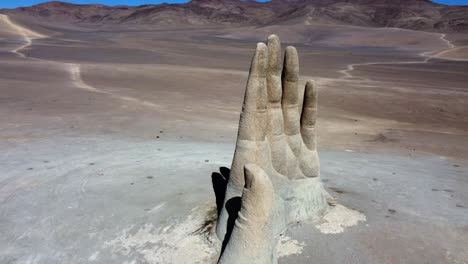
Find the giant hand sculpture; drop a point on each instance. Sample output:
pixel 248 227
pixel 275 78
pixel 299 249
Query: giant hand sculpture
pixel 275 170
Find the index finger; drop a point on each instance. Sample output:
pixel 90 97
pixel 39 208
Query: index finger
pixel 257 75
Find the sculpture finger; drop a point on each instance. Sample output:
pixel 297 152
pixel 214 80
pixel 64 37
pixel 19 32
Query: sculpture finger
pixel 309 116
pixel 251 240
pixel 257 76
pixel 274 85
pixel 290 98
pixel 246 138
pixel 262 101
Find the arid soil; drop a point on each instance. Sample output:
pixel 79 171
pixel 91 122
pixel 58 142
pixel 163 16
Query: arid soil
pixel 109 138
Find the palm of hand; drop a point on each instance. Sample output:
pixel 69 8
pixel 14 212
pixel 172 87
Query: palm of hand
pixel 278 137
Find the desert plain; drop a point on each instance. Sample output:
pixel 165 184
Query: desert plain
pixel 110 136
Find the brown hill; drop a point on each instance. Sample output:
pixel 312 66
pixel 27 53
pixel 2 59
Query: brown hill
pixel 409 14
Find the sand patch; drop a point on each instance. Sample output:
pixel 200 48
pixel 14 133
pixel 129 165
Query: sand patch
pixel 175 243
pixel 338 218
pixel 187 241
pixel 287 246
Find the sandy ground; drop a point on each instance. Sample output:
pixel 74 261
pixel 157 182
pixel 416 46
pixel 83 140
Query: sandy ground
pixel 109 137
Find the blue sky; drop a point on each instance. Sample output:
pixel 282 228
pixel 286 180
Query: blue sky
pixel 16 3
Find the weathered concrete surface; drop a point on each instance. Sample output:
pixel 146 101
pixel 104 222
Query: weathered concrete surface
pixel 274 178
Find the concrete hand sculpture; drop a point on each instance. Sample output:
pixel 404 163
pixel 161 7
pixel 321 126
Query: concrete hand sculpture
pixel 275 170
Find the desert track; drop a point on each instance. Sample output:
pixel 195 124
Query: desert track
pixel 76 74
pixel 74 69
pixel 27 34
pixel 426 55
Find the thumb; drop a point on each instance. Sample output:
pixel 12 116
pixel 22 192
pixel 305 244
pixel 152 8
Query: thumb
pixel 251 240
pixel 257 197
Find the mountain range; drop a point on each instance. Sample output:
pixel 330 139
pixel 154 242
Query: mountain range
pixel 409 14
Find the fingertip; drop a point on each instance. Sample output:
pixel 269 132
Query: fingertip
pixel 291 58
pixel 260 60
pixel 291 64
pixel 274 55
pixel 290 50
pixel 262 51
pixel 311 88
pixel 261 46
pixel 273 38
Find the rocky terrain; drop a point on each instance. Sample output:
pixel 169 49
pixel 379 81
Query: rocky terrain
pixel 409 14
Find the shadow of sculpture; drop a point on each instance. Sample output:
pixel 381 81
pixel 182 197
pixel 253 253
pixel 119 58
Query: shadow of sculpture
pixel 233 205
pixel 219 181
